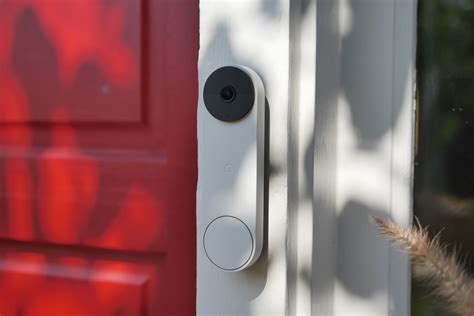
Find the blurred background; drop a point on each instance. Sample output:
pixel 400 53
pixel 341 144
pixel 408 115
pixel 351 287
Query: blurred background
pixel 444 165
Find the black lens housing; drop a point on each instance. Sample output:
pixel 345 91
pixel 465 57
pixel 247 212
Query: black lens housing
pixel 229 94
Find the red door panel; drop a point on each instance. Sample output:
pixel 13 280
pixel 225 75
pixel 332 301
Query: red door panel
pixel 75 283
pixel 98 157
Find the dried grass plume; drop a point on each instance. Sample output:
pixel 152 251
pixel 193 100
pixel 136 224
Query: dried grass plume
pixel 432 262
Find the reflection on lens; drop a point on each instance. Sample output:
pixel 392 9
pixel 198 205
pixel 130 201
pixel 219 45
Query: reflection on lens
pixel 228 94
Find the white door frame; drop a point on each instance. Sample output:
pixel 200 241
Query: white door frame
pixel 364 149
pixel 339 77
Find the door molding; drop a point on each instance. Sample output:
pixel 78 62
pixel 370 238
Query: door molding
pixel 339 77
pixel 253 34
pixel 363 158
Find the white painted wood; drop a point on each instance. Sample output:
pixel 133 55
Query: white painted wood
pixel 403 147
pixel 341 148
pixel 363 140
pixel 300 163
pixel 254 34
pixel 325 150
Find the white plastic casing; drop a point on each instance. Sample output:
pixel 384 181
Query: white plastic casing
pixel 231 184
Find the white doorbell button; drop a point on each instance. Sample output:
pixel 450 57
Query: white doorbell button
pixel 231 149
pixel 225 231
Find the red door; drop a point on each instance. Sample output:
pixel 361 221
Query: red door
pixel 98 157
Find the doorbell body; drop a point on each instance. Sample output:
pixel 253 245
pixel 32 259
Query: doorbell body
pixel 231 170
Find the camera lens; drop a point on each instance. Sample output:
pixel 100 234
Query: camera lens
pixel 228 94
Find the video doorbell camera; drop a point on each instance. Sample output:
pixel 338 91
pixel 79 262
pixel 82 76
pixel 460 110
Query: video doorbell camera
pixel 231 175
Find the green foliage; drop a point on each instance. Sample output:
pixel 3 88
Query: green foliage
pixel 445 160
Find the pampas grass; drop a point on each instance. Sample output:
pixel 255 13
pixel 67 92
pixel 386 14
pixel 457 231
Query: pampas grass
pixel 431 261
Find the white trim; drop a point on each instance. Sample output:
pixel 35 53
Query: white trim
pixel 403 145
pixel 300 159
pixel 325 150
pixel 364 140
pixel 254 34
pixel 330 261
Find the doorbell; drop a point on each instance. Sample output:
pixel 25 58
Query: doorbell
pixel 231 169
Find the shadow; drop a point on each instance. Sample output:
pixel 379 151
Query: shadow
pixel 366 82
pixel 124 183
pixel 272 8
pixel 362 254
pixel 253 278
pixel 321 157
pixel 42 86
pixel 359 68
pixel 88 188
pixel 375 64
pixel 251 282
pixel 356 60
pixel 264 262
